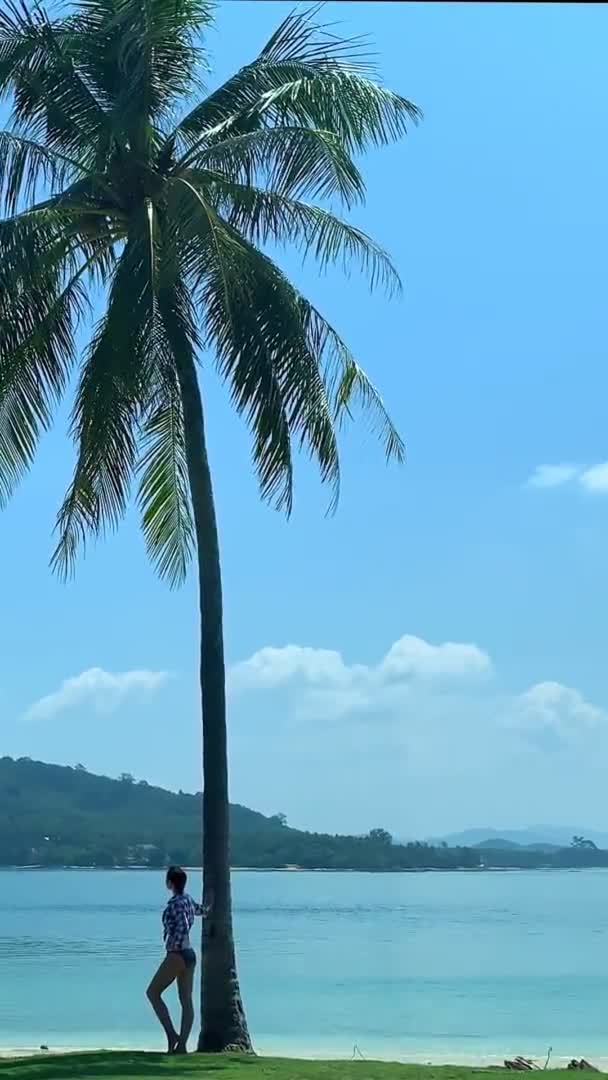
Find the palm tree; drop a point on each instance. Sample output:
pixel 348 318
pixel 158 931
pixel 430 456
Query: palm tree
pixel 115 188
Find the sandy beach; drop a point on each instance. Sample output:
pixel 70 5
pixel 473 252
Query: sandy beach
pixel 480 1061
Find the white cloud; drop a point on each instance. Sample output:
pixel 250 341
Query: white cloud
pixel 595 478
pixel 409 658
pixel 551 476
pixel 325 686
pixel 101 690
pixel 412 657
pixel 552 708
pixel 590 478
pixel 271 667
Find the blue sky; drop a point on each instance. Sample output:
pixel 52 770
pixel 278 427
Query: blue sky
pixel 493 365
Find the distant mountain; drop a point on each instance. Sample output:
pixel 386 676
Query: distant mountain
pixel 509 845
pixel 539 837
pixel 497 845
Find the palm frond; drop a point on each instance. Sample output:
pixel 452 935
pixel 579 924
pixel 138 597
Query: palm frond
pixel 348 385
pixel 306 76
pixel 143 56
pixel 45 245
pixel 266 216
pixel 164 496
pixel 37 350
pixel 53 101
pixel 27 166
pixel 253 324
pixel 111 400
pixel 291 161
pixel 302 37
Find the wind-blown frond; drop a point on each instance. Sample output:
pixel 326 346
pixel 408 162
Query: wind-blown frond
pixel 252 322
pixel 164 497
pixel 37 350
pixel 142 57
pixel 110 402
pixel 48 244
pixel 306 76
pixel 164 489
pixel 266 216
pixel 45 255
pixel 291 161
pixel 27 166
pixel 52 99
pixel 347 383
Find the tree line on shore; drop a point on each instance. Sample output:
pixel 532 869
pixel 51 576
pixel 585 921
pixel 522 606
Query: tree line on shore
pixel 55 816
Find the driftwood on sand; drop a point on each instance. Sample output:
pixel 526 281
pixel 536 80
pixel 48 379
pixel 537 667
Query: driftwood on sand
pixel 522 1064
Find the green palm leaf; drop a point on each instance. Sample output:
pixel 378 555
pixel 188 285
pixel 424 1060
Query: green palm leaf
pixel 52 99
pixel 289 160
pixel 37 350
pixel 164 497
pixel 253 324
pixel 267 216
pixel 125 356
pixel 310 77
pixel 348 386
pixel 27 167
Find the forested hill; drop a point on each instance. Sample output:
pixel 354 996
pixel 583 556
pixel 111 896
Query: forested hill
pixel 53 815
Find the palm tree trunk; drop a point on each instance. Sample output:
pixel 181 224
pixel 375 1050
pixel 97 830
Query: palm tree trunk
pixel 223 1021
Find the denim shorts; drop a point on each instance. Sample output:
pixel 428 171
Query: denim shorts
pixel 189 957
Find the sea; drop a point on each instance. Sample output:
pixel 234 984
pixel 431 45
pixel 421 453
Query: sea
pixel 419 966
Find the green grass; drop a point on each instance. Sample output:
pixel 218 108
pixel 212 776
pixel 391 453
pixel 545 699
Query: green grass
pixel 127 1065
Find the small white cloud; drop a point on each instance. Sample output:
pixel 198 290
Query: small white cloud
pixel 550 709
pixel 595 479
pixel 412 657
pixel 551 476
pixel 99 689
pixel 272 667
pixel 592 479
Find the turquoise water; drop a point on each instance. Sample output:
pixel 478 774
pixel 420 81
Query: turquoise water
pixel 397 964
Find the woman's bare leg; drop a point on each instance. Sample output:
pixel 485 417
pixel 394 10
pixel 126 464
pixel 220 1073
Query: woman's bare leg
pixel 170 969
pixel 184 990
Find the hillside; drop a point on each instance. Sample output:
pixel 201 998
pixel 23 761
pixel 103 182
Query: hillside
pixel 53 815
pixel 63 812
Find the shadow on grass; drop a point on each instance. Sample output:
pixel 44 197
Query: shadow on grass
pixel 123 1065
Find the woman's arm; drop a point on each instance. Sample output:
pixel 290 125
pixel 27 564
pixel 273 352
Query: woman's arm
pixel 203 910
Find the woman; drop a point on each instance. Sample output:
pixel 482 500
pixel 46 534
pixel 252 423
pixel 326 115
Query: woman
pixel 179 963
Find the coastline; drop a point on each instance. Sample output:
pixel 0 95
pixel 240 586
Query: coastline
pixel 39 868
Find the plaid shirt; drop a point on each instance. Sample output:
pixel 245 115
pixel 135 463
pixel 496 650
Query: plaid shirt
pixel 178 918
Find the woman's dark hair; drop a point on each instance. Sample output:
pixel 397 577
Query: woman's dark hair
pixel 177 878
